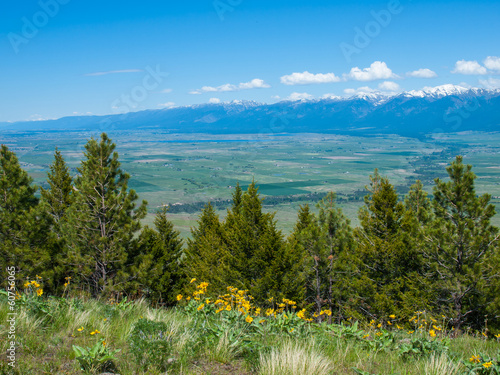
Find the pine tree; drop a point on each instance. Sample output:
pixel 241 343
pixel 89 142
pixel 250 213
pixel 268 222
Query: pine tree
pixel 392 263
pixel 330 266
pixel 54 203
pixel 23 227
pixel 246 251
pixel 461 242
pixel 161 250
pixel 257 248
pixel 59 197
pixel 206 257
pixel 419 204
pixel 102 221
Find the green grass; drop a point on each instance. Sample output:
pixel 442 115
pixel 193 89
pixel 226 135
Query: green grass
pixel 205 342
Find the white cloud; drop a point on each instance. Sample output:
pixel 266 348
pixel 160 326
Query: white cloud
pixel 469 67
pixel 214 101
pixel 296 96
pixel 307 78
pixel 115 72
pixel 167 105
pixel 490 83
pixel 389 86
pixel 166 91
pixel 422 73
pixel 253 84
pixel 492 63
pixel 377 70
pixel 360 90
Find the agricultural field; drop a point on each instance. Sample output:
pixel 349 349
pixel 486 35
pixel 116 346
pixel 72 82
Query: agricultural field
pixel 188 170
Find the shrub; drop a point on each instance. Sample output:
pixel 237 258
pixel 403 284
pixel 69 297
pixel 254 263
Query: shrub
pixel 151 344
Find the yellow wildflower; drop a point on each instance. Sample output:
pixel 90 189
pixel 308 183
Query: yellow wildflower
pixel 94 332
pixel 410 332
pixel 497 336
pixel 432 333
pixel 262 321
pixel 366 336
pixel 487 364
pixel 379 325
pixel 26 284
pixel 39 292
pixel 475 359
pixel 228 308
pixel 392 316
pixel 80 329
pixel 389 323
pixel 249 319
pixel 179 297
pixel 192 281
pixel 200 307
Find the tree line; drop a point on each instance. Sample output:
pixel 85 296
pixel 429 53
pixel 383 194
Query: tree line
pixel 441 255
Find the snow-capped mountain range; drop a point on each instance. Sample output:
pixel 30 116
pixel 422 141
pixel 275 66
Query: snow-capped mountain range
pixel 446 108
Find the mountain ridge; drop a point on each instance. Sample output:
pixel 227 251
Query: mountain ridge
pixel 446 108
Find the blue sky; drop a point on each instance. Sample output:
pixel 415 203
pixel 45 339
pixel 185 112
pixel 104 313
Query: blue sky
pixel 71 57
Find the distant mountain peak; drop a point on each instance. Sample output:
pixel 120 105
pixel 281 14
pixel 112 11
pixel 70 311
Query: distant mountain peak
pixel 442 91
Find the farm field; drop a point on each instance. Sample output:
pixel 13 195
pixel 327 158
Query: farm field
pixel 186 170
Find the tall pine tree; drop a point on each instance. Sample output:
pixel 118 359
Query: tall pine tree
pixel 102 220
pixel 462 242
pixel 330 263
pixel 23 227
pixel 392 263
pixel 54 202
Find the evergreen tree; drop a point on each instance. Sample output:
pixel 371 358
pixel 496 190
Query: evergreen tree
pixel 246 251
pixel 206 257
pixel 54 202
pixel 419 204
pixel 330 266
pixel 257 248
pixel 392 263
pixel 59 197
pixel 161 249
pixel 102 221
pixel 23 227
pixel 461 244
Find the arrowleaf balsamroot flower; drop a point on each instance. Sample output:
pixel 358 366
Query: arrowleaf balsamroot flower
pixel 487 364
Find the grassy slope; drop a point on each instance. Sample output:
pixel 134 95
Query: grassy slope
pixel 45 344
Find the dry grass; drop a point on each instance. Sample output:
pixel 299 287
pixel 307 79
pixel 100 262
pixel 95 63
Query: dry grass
pixel 293 358
pixel 440 365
